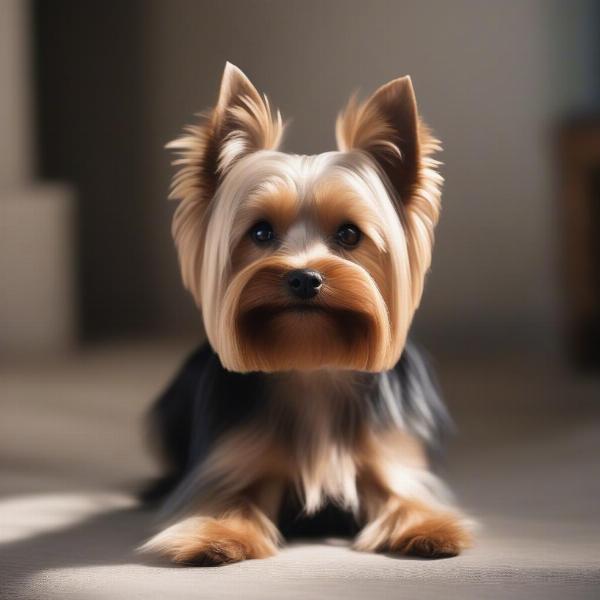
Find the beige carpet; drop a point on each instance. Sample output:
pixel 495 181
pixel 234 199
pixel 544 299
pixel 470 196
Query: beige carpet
pixel 526 464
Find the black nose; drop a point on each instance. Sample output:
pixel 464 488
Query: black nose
pixel 304 283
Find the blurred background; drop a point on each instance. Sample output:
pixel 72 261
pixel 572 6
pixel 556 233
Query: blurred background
pixel 94 320
pixel 93 91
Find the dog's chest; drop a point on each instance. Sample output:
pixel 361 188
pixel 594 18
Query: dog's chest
pixel 319 419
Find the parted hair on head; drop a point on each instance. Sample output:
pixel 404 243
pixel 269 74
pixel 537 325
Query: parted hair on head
pixel 306 262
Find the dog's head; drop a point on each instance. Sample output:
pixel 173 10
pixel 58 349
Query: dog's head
pixel 305 262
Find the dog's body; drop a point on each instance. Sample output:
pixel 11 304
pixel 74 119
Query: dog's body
pixel 307 271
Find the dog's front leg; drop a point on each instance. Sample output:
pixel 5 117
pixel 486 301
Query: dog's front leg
pixel 403 504
pixel 231 512
pixel 242 528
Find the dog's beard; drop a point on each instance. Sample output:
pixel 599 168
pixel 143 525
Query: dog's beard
pixel 305 337
pixel 263 329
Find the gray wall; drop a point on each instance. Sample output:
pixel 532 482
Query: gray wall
pixel 486 79
pixel 118 80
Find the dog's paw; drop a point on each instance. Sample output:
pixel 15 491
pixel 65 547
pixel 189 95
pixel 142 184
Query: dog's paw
pixel 207 541
pixel 416 530
pixel 436 537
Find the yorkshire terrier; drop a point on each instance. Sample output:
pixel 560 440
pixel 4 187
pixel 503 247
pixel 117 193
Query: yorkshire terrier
pixel 307 411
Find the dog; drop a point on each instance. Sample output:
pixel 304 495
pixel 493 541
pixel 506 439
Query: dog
pixel 307 411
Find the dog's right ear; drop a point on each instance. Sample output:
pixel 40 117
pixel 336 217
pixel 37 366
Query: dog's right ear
pixel 241 122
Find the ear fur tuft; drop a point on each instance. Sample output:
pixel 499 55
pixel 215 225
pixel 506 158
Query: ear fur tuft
pixel 388 128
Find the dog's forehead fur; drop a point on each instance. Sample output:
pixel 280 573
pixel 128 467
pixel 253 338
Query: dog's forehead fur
pixel 303 196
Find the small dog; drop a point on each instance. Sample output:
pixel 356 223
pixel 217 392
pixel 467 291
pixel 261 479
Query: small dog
pixel 307 411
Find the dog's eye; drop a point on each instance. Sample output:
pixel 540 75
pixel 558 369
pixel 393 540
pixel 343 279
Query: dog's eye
pixel 348 235
pixel 262 233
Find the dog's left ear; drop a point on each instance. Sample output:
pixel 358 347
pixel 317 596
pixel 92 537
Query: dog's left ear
pixel 386 126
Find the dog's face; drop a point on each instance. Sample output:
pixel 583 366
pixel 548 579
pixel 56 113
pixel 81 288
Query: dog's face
pixel 306 262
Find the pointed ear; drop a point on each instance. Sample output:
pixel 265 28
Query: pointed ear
pixel 386 126
pixel 241 122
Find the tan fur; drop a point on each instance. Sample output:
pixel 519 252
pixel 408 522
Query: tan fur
pixel 261 312
pixel 414 528
pixel 363 126
pixel 237 533
pixel 404 508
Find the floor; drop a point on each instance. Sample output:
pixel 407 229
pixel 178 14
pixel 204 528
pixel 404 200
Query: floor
pixel 525 463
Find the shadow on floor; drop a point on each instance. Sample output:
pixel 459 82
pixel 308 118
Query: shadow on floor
pixel 106 539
